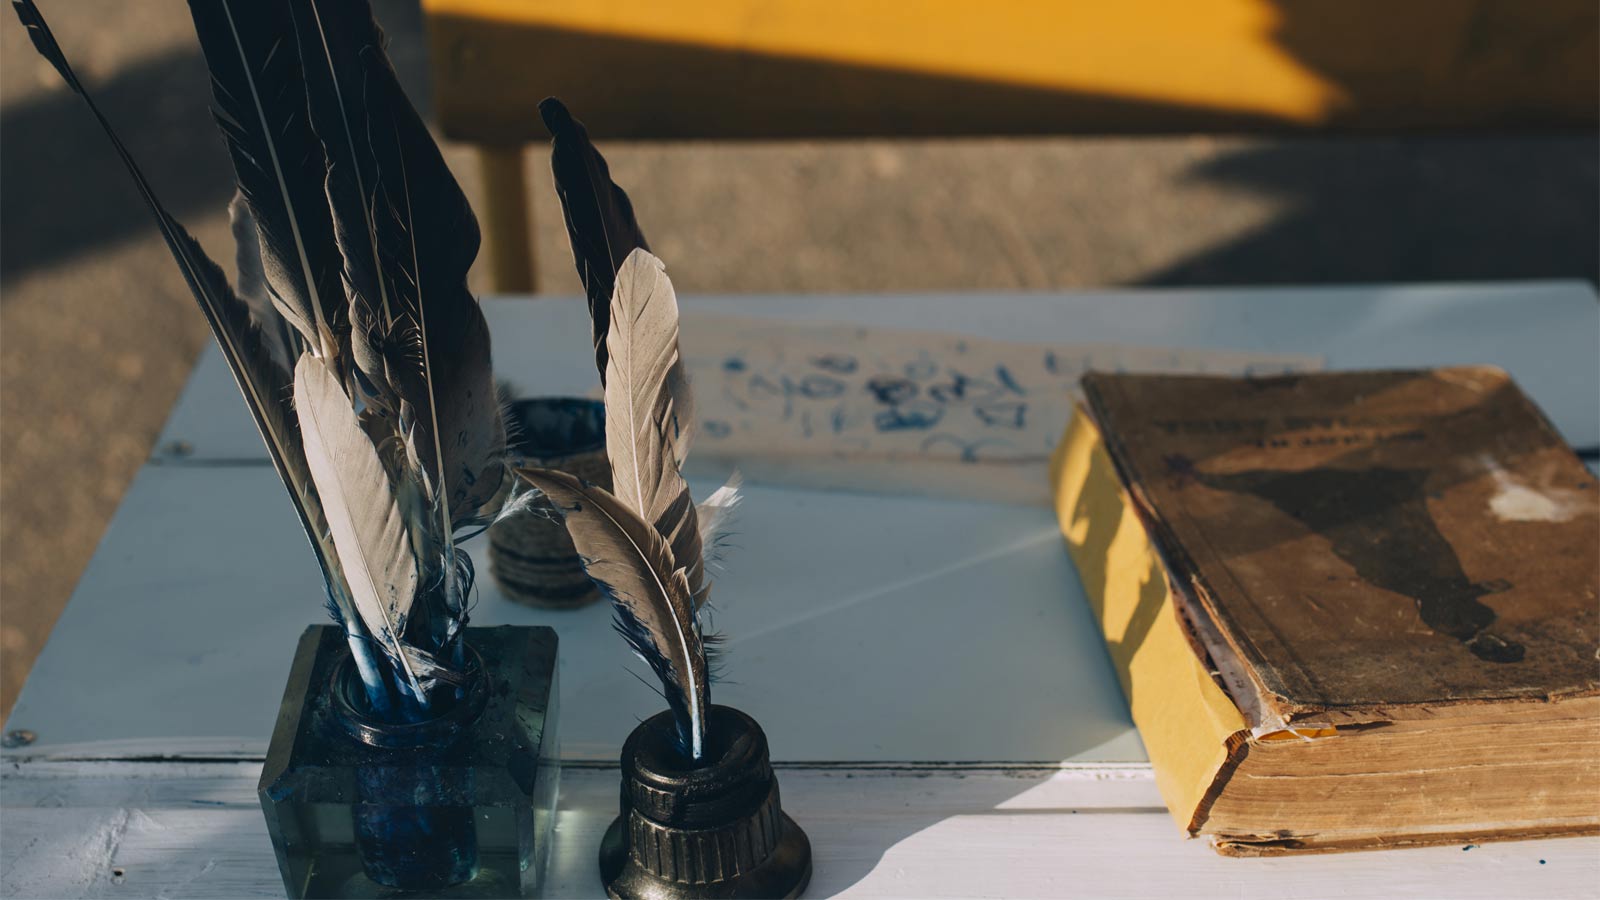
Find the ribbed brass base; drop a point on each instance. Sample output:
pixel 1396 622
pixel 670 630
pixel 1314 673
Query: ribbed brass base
pixel 713 831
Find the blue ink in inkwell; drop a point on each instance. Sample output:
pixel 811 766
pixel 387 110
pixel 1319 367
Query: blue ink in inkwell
pixel 460 804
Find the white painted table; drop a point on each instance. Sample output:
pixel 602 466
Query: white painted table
pixel 944 715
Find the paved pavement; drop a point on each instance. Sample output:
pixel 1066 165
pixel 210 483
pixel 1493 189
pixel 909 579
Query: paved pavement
pixel 97 332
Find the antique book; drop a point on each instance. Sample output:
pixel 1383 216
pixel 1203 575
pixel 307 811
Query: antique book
pixel 1350 610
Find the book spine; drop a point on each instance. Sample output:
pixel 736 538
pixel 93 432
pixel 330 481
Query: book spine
pixel 1192 732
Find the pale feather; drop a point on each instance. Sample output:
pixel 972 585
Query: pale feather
pixel 358 502
pixel 627 556
pixel 715 514
pixel 718 508
pixel 646 395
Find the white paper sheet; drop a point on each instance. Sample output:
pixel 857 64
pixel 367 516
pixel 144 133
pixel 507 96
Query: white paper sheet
pixel 884 410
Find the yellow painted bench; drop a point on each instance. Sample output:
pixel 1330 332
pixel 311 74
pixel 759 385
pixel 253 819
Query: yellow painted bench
pixel 635 69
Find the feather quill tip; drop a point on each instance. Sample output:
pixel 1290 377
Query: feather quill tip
pixel 555 115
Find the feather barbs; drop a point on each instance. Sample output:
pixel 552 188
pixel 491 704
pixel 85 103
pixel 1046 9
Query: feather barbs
pixel 386 434
pixel 632 563
pixel 647 397
pixel 368 530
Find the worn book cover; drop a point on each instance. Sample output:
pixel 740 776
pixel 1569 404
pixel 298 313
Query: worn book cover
pixel 1387 568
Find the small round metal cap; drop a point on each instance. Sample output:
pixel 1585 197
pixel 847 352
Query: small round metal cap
pixel 716 830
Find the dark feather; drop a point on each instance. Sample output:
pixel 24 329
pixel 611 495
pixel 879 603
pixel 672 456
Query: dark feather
pixel 284 343
pixel 331 49
pixel 45 43
pixel 599 216
pixel 408 237
pixel 260 106
pixel 418 263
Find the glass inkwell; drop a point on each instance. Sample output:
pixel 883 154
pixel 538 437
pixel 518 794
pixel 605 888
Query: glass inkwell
pixel 460 804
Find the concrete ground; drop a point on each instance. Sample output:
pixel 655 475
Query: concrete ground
pixel 97 332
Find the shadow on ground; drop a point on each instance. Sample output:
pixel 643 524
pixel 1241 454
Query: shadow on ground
pixel 66 193
pixel 1408 209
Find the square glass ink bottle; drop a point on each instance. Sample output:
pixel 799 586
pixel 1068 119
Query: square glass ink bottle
pixel 461 804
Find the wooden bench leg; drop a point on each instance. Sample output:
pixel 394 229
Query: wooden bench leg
pixel 506 229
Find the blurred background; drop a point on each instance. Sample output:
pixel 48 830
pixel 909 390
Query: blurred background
pixel 1354 152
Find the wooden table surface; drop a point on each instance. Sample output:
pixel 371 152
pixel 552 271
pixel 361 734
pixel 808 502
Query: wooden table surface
pixel 944 716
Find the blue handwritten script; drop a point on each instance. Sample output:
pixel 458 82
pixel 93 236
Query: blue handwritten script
pixel 836 393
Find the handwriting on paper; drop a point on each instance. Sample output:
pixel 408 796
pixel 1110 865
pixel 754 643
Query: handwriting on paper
pixel 903 411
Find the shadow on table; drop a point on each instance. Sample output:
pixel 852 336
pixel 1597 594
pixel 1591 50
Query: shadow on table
pixel 1371 210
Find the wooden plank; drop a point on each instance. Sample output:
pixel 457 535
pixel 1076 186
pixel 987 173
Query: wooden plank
pixel 47 783
pixel 796 68
pixel 177 831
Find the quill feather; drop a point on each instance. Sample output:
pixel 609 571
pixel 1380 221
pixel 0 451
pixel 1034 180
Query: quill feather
pixel 718 509
pixel 599 216
pixel 252 280
pixel 715 514
pixel 359 503
pixel 359 534
pixel 628 559
pixel 280 338
pixel 408 237
pixel 264 384
pixel 45 42
pixel 642 409
pixel 260 107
